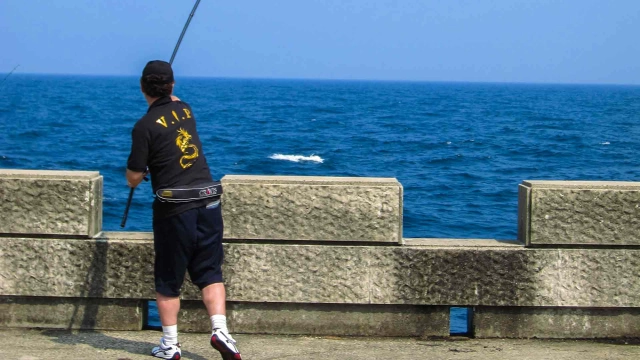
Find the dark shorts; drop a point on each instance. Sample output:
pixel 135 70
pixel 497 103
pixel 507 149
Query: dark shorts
pixel 191 240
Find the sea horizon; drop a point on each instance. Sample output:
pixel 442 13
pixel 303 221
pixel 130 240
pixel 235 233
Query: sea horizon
pixel 337 80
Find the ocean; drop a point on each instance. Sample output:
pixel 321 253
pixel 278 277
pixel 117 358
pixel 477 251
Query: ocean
pixel 459 149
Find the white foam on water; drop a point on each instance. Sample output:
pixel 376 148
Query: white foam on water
pixel 297 158
pixel 605 143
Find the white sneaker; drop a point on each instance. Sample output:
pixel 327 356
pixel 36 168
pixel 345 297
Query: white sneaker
pixel 164 351
pixel 224 343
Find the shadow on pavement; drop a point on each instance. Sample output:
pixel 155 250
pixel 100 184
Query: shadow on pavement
pixel 100 341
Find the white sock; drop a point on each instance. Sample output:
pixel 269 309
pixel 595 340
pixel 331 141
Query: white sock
pixel 219 322
pixel 170 334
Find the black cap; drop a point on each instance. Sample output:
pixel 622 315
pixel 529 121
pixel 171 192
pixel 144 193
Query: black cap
pixel 159 67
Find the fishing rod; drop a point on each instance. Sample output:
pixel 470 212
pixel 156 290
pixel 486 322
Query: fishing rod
pixel 9 74
pixel 173 56
pixel 184 30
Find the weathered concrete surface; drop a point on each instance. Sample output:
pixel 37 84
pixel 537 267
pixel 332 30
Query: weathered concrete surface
pixel 322 319
pixel 414 275
pixel 71 313
pixel 505 277
pixel 44 202
pixel 312 208
pixel 579 213
pixel 559 323
pixel 136 345
pixel 96 268
pixel 298 273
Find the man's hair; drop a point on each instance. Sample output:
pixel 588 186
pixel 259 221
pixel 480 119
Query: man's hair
pixel 157 78
pixel 156 85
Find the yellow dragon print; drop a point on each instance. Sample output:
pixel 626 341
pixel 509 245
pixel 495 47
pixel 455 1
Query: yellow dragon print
pixel 182 141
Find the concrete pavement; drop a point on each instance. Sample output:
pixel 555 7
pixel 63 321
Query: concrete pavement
pixel 35 344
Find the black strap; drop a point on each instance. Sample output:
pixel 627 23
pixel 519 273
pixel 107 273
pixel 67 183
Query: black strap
pixel 190 193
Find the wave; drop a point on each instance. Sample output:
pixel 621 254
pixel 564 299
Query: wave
pixel 297 158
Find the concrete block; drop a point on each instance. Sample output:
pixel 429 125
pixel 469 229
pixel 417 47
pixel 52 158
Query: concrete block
pixel 455 275
pixel 71 313
pixel 605 213
pixel 39 202
pixel 322 319
pixel 556 323
pixel 298 273
pixel 98 268
pixel 312 208
pixel 439 275
pixel 508 276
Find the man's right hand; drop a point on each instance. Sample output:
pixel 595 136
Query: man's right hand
pixel 134 178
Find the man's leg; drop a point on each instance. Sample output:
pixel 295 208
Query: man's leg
pixel 214 298
pixel 173 239
pixel 205 268
pixel 206 272
pixel 168 308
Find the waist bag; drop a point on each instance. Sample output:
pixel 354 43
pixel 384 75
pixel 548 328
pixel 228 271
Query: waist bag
pixel 190 193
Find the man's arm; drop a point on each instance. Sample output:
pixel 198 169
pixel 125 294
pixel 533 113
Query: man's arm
pixel 134 178
pixel 137 162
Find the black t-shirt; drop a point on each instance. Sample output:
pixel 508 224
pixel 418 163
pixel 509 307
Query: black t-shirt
pixel 166 141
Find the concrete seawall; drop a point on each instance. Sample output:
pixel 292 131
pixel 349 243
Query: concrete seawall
pixel 340 265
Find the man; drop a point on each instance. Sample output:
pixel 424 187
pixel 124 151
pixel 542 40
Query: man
pixel 187 214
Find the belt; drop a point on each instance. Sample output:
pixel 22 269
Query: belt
pixel 190 193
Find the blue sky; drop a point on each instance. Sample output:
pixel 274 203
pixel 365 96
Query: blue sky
pixel 541 41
